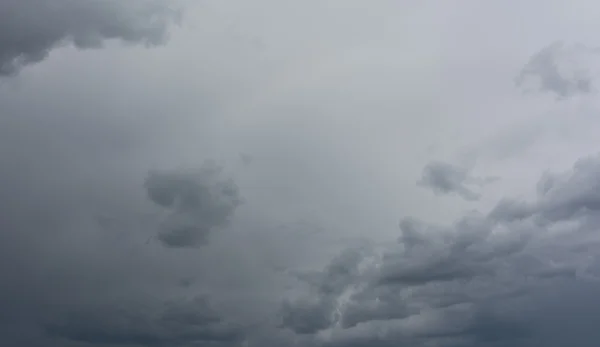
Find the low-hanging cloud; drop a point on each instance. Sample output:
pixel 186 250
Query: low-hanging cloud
pixel 197 202
pixel 468 283
pixel 308 316
pixel 174 323
pixel 30 29
pixel 79 203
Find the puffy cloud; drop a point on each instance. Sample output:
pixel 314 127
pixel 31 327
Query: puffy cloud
pixel 308 316
pixel 469 283
pixel 197 203
pixel 30 29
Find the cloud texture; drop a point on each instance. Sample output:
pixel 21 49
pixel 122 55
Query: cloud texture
pixel 197 202
pixel 444 178
pixel 465 283
pixel 32 28
pixel 247 180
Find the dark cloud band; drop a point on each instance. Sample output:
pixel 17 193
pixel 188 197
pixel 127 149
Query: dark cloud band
pixel 30 29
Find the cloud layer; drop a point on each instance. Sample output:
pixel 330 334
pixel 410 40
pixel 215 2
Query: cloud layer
pixel 176 323
pixel 463 284
pixel 250 182
pixel 30 29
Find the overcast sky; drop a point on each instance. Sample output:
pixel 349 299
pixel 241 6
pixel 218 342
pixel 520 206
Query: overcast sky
pixel 299 173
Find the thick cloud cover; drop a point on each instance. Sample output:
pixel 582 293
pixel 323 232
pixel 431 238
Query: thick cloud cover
pixel 176 323
pixel 30 29
pixel 470 283
pixel 251 181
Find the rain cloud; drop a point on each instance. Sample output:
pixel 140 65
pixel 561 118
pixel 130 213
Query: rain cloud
pixel 31 29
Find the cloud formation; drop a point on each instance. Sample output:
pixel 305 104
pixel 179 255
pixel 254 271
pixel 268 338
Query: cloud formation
pixel 462 284
pixel 30 29
pixel 560 69
pixel 196 203
pixel 335 245
pixel 445 178
pixel 318 312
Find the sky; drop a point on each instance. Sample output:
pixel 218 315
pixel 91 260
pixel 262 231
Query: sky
pixel 299 173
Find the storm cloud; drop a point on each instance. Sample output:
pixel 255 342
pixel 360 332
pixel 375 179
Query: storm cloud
pixel 175 323
pixel 31 29
pixel 243 179
pixel 464 283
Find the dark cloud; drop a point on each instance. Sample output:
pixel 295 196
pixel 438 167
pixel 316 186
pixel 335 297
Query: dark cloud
pixel 75 267
pixel 318 311
pixel 78 202
pixel 472 283
pixel 196 202
pixel 308 316
pixel 557 69
pixel 176 323
pixel 562 197
pixel 30 29
pixel 445 178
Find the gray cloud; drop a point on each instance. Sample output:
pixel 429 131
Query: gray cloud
pixel 445 178
pixel 246 159
pixel 561 197
pixel 558 69
pixel 30 29
pixel 310 315
pixel 90 168
pixel 197 203
pixel 469 283
pixel 175 323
